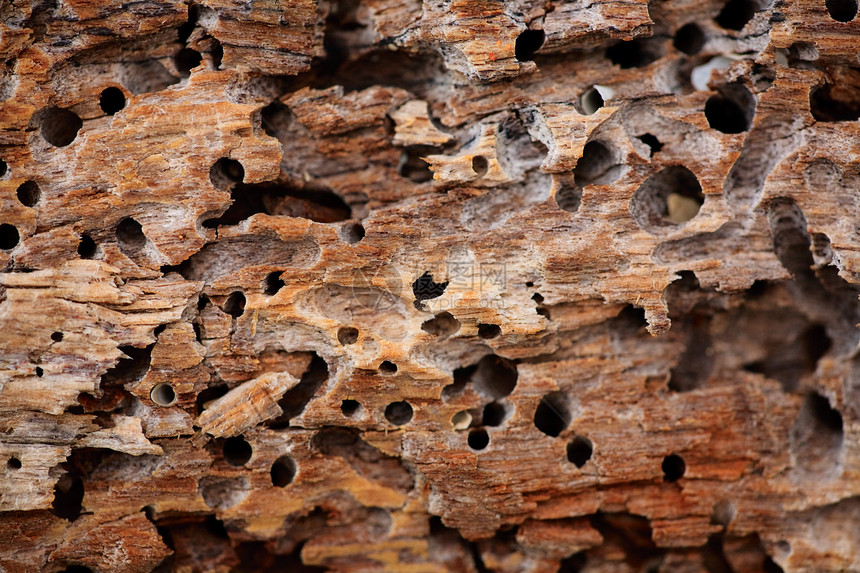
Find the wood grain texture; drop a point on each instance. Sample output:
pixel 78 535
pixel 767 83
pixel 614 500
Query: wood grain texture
pixel 405 286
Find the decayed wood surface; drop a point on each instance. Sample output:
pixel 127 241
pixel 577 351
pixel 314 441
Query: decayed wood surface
pixel 299 285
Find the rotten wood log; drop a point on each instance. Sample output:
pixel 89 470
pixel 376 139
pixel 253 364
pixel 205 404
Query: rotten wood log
pixel 306 285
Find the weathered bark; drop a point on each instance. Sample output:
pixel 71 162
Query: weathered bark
pixel 465 286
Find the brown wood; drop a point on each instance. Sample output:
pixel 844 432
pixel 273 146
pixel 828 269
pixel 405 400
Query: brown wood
pixel 459 286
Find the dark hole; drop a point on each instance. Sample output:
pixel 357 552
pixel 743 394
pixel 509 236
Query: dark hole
pixel 129 236
pixel 544 312
pixel 436 526
pixel 488 331
pixel 112 100
pixel 235 304
pixel 29 193
pixel 60 126
pixel 87 248
pixel 632 530
pixel 816 343
pixel 352 233
pixel 76 569
pixel 413 72
pixel 237 451
pixel 208 395
pixel 294 401
pixel 273 283
pixel 443 324
pixel 596 165
pixel 713 553
pixel 13 464
pixel 68 497
pixel 478 439
pixel 480 165
pixel 216 527
pixel 494 414
pixel 184 31
pixel 632 318
pixel 216 53
pixel 225 172
pixel 461 377
pixel 424 288
pixel 636 53
pixel 770 566
pixel 494 376
pixel 669 197
pixel 552 416
pixel 689 39
pixel 350 407
pixel 673 467
pixel 725 115
pixel 735 14
pixel 529 42
pixel 8 236
pixel 163 394
pixel 320 205
pixel 834 102
pixel 388 367
pixel 530 284
pixel 829 417
pixel 3 168
pixel 130 368
pixel 272 118
pixel 347 335
pixel 589 102
pixel 568 197
pixel 687 282
pixel 57 336
pixel 398 413
pixel 579 451
pixel 261 556
pixel 758 289
pixel 202 302
pixel 573 564
pixel 39 371
pixel 652 142
pixel 283 471
pixel 413 167
pixel 186 60
pixel 841 10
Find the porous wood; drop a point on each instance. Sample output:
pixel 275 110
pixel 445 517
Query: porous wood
pixel 468 286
